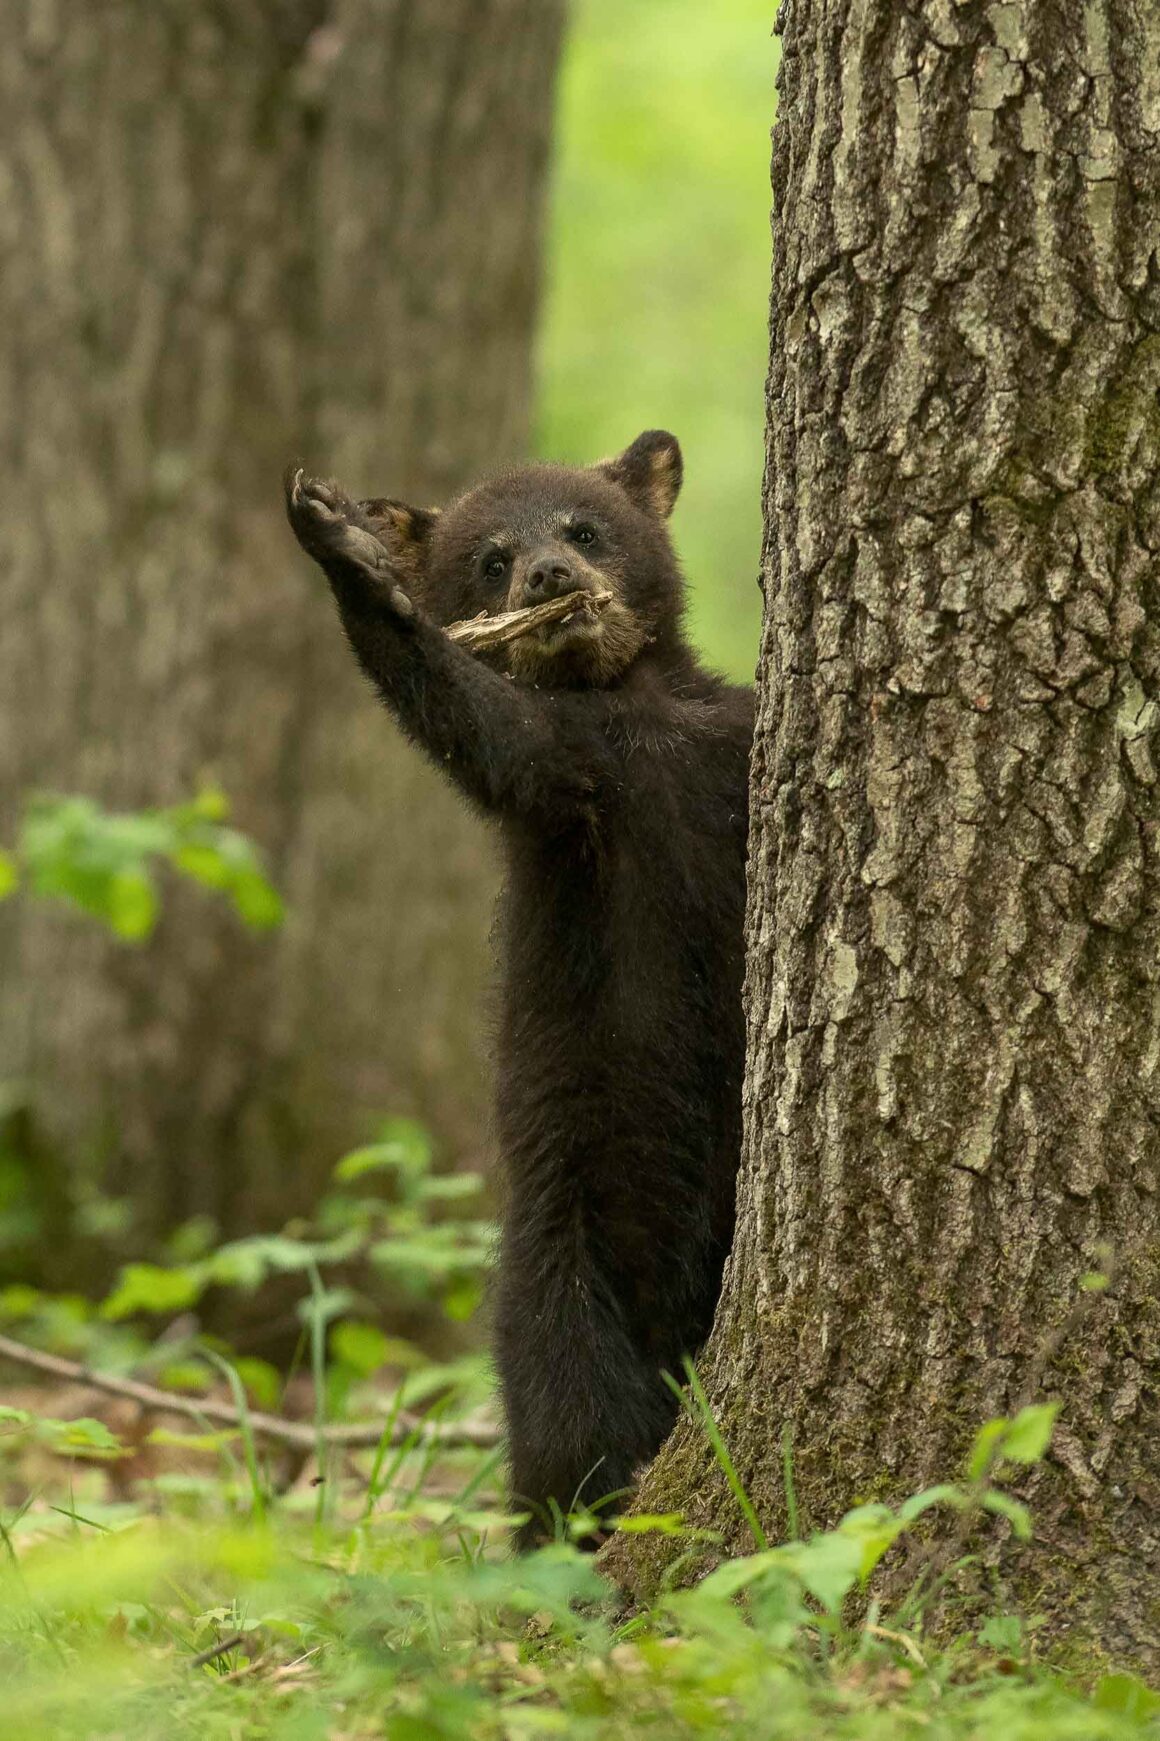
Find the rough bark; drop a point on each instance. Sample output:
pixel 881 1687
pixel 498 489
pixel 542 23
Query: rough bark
pixel 232 234
pixel 953 990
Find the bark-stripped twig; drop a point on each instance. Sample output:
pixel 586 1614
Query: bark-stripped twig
pixel 478 633
pixel 300 1435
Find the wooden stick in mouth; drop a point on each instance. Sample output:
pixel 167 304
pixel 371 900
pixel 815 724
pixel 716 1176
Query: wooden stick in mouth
pixel 479 633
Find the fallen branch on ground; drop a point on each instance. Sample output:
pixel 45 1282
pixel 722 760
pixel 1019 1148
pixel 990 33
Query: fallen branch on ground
pixel 300 1435
pixel 479 633
pixel 222 1648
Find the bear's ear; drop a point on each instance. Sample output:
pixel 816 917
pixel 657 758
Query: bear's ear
pixel 650 471
pixel 405 531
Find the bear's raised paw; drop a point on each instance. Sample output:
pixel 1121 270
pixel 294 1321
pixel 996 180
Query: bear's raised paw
pixel 328 526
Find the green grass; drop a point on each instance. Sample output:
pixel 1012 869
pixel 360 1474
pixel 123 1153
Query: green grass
pixel 411 1622
pixel 658 274
pixel 237 1594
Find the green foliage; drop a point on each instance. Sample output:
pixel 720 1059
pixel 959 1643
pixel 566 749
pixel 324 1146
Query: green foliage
pixel 391 1219
pixel 828 1567
pixel 403 1148
pixel 1126 1694
pixel 402 1615
pixel 658 274
pixel 104 863
pixel 380 1599
pixel 414 1237
pixel 1022 1439
pixel 78 1437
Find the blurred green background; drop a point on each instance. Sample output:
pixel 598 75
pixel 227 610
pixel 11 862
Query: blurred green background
pixel 658 274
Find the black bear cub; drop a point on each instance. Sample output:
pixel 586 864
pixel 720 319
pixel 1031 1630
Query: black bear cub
pixel 616 767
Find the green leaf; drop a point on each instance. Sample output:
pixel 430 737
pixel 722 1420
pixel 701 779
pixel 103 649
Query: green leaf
pixel 9 875
pixel 18 1300
pixel 1017 1514
pixel 1029 1434
pixel 245 1263
pixel 358 1345
pixel 81 1435
pixel 875 1529
pixel 191 1239
pixel 983 1449
pixel 461 1300
pixel 146 1287
pixel 778 1612
pixel 1004 1633
pixel 258 903
pixel 828 1565
pixel 327 1305
pixel 736 1575
pixel 202 863
pixel 106 1218
pixel 191 1375
pixel 193 1441
pixel 261 1379
pixel 131 904
pixel 374 1158
pixel 450 1187
pixel 433 1254
pixel 399 1352
pixel 413 1138
pixel 102 862
pixel 85 1434
pixel 210 805
pixel 220 858
pixel 1126 1695
pixel 943 1494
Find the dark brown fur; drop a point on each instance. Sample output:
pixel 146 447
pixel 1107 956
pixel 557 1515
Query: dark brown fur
pixel 617 769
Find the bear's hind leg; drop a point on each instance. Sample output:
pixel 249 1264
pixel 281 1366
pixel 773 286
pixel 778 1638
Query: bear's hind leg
pixel 585 1405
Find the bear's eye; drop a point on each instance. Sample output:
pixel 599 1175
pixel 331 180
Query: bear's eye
pixel 495 567
pixel 582 535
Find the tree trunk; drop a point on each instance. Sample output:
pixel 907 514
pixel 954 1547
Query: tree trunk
pixel 232 235
pixel 953 995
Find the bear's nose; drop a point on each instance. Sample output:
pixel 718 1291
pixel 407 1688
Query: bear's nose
pixel 548 577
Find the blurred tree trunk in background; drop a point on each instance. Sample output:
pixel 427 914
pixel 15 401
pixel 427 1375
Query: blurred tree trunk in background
pixel 953 992
pixel 232 235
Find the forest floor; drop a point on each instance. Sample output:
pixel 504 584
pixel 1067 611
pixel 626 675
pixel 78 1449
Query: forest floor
pixel 154 1582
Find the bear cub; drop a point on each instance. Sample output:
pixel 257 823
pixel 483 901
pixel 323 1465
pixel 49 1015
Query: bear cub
pixel 616 767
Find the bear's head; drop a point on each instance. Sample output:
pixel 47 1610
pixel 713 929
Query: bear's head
pixel 540 531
